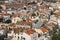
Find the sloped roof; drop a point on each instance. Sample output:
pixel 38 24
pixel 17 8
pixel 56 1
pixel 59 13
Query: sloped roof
pixel 30 31
pixel 44 30
pixel 37 25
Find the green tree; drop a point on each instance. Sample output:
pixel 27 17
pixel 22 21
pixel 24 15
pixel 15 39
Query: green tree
pixel 56 36
pixel 33 14
pixel 2 37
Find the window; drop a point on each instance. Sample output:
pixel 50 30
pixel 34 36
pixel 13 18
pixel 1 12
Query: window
pixel 0 7
pixel 22 38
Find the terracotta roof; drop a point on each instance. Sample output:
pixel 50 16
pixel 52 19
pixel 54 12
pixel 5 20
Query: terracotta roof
pixel 9 31
pixel 44 29
pixel 41 7
pixel 30 31
pixel 24 23
pixel 11 24
pixel 17 30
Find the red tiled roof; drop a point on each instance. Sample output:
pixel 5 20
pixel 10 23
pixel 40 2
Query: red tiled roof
pixel 24 22
pixel 44 30
pixel 17 30
pixel 41 7
pixel 30 31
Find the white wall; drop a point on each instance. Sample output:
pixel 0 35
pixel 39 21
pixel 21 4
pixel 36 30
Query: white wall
pixel 10 12
pixel 26 36
pixel 59 23
pixel 34 36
